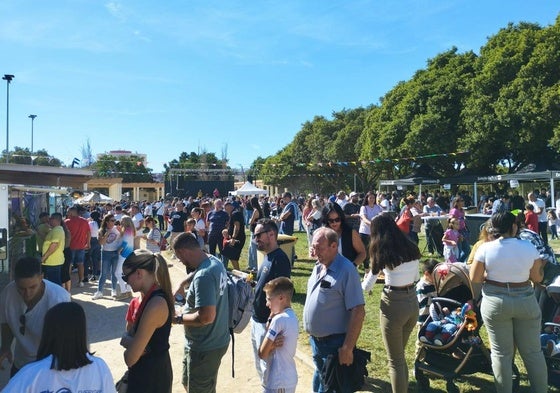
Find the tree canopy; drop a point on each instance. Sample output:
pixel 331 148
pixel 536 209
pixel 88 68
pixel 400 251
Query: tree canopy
pixel 498 110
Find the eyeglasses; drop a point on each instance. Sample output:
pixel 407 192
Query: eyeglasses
pixel 126 276
pixel 258 235
pixel 22 323
pixel 333 220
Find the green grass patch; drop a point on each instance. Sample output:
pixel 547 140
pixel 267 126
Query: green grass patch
pixel 370 338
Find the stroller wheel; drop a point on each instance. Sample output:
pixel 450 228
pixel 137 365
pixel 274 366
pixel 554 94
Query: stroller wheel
pixel 422 381
pixel 451 387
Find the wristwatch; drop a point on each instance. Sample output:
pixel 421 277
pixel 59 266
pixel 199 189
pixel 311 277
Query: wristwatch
pixel 179 319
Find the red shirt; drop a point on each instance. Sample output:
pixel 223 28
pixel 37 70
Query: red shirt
pixel 79 231
pixel 532 221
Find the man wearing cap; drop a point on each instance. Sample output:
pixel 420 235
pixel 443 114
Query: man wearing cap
pixel 352 211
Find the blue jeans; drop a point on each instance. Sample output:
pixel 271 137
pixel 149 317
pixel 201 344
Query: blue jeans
pixel 252 254
pixel 53 273
pixel 93 257
pixel 320 349
pixel 109 261
pixel 513 318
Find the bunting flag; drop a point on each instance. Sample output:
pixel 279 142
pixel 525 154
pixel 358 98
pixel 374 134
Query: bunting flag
pixel 332 164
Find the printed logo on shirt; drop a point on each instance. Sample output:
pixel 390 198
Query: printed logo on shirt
pixel 272 332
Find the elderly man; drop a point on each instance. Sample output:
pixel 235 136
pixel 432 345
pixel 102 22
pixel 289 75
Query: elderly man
pixel 206 319
pixel 333 325
pixel 23 305
pixel 432 209
pixel 275 264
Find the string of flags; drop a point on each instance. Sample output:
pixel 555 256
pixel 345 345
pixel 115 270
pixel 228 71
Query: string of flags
pixel 366 162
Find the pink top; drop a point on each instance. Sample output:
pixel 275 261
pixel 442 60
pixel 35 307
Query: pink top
pixel 451 234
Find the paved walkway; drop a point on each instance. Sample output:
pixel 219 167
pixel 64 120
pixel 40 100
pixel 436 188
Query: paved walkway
pixel 105 322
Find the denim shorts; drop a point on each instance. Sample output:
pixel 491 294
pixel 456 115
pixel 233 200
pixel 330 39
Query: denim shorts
pixel 78 256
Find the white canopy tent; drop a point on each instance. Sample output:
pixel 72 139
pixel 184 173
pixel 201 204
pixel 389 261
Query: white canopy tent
pixel 249 189
pixel 93 197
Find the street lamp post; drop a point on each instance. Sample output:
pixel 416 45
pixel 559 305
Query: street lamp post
pixel 8 78
pixel 32 117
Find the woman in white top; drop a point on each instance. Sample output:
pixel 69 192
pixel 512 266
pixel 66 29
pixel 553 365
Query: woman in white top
pixel 110 240
pixel 392 252
pixel 64 363
pixel 368 210
pixel 153 237
pixel 510 311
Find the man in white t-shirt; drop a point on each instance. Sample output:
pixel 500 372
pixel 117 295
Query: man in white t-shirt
pixel 138 220
pixel 540 210
pixel 23 305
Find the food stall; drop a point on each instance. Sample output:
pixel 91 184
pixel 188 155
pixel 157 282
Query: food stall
pixel 27 191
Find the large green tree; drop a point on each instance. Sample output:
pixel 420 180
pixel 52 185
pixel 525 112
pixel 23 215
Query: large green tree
pixel 24 156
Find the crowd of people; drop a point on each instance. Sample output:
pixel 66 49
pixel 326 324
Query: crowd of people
pixel 375 233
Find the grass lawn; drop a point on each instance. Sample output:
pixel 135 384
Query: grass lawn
pixel 370 338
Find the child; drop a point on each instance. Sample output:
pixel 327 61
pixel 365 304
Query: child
pixel 280 374
pixel 444 323
pixel 552 219
pixel 450 241
pixel 425 289
pixel 531 218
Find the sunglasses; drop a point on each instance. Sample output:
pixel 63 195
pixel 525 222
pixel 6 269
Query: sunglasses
pixel 22 321
pixel 258 235
pixel 333 220
pixel 126 276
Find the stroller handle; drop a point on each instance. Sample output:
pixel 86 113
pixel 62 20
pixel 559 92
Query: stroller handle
pixel 445 299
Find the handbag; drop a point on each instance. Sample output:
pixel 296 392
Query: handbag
pixel 122 384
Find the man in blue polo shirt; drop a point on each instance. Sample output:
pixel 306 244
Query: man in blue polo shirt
pixel 334 308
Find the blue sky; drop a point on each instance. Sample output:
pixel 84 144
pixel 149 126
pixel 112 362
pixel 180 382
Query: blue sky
pixel 163 77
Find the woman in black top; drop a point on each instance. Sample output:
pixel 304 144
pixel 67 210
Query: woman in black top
pixel 350 244
pixel 147 345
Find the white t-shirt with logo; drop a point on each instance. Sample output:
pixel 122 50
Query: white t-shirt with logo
pixel 281 369
pixel 39 377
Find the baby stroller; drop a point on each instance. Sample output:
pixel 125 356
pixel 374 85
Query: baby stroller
pixel 463 353
pixel 550 306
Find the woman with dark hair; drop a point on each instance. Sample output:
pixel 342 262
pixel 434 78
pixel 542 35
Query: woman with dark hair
pixel 110 241
pixel 507 267
pixel 63 360
pixel 93 256
pixel 147 343
pixel 368 211
pixel 458 212
pixel 256 216
pixel 349 243
pixel 393 253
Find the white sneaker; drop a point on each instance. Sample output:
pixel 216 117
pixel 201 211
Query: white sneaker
pixel 113 293
pixel 81 284
pixel 97 295
pixel 369 281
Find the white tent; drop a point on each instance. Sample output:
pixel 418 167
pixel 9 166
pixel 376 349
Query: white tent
pixel 249 189
pixel 94 197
